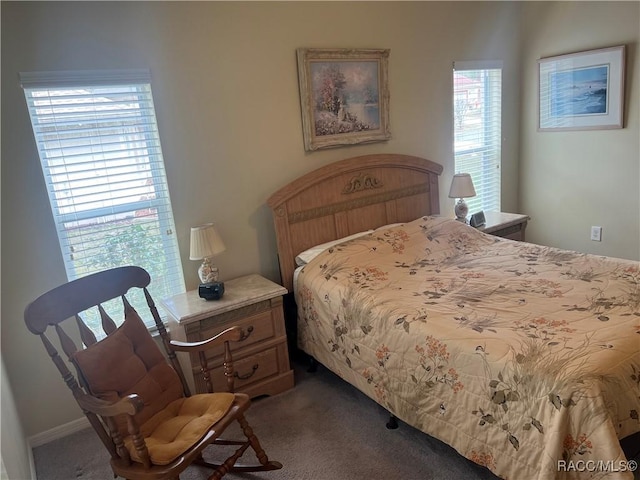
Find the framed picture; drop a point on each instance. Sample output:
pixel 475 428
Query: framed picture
pixel 582 91
pixel 344 96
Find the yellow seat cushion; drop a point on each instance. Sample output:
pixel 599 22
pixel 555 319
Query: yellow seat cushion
pixel 177 427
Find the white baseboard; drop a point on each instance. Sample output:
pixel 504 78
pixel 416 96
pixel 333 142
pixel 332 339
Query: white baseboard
pixel 58 432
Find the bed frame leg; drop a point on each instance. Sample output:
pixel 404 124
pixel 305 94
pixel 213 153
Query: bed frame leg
pixel 313 365
pixel 392 424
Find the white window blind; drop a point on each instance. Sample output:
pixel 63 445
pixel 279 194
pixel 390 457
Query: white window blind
pixel 100 152
pixel 477 116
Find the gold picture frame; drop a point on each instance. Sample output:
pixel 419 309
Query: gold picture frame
pixel 344 96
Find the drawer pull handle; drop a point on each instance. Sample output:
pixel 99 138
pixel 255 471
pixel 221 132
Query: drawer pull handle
pixel 247 334
pixel 248 375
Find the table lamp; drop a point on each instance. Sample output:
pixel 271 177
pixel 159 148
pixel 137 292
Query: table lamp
pixel 205 243
pixel 461 188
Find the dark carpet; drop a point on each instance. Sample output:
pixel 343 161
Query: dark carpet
pixel 321 429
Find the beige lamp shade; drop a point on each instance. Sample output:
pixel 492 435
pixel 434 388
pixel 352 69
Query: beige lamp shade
pixel 462 186
pixel 205 242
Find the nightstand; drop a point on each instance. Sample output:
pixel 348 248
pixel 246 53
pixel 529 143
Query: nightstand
pixel 506 225
pixel 261 361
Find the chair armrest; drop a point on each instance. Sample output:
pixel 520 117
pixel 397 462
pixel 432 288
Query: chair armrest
pixel 231 334
pixel 129 405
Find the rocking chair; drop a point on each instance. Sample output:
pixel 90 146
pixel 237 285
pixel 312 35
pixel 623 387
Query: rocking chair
pixel 137 401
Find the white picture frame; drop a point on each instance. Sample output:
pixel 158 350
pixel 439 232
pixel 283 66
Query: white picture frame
pixel 582 91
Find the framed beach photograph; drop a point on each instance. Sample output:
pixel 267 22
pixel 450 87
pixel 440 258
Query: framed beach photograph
pixel 582 91
pixel 344 96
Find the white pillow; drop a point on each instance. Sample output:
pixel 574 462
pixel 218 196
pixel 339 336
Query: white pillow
pixel 309 254
pixel 391 225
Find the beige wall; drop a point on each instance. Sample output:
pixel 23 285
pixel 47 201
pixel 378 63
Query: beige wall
pixel 570 181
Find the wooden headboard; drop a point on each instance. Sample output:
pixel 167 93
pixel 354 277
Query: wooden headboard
pixel 350 196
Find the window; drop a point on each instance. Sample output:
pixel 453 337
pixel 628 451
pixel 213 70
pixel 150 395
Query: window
pixel 477 114
pixel 100 153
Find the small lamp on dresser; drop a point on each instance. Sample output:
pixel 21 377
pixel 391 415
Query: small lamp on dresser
pixel 205 243
pixel 461 188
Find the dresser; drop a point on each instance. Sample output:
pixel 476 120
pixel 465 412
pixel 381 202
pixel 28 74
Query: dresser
pixel 261 360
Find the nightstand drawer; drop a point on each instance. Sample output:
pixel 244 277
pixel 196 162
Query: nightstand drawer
pixel 258 327
pixel 247 371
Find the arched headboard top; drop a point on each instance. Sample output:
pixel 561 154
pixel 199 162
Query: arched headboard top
pixel 350 196
pixel 354 164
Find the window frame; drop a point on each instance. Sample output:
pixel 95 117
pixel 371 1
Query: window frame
pixel 488 184
pixel 137 155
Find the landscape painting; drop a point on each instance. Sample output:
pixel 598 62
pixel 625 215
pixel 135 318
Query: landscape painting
pixel 581 91
pixel 344 96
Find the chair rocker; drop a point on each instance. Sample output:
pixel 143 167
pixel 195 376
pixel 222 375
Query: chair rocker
pixel 137 401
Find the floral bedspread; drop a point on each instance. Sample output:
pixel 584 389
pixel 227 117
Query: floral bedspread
pixel 524 358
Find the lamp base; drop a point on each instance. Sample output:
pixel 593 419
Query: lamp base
pixel 461 209
pixel 208 272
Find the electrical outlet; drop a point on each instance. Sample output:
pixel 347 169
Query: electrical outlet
pixel 596 234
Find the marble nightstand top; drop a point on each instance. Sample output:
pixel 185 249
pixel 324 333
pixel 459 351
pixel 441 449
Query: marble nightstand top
pixel 189 307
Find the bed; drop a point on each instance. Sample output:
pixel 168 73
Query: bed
pixel 524 358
